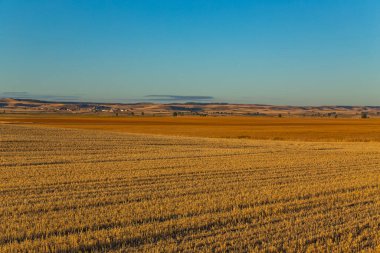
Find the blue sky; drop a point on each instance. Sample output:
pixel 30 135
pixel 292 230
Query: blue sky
pixel 308 52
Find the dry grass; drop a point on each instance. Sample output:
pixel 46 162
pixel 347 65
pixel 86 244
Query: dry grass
pixel 70 190
pixel 299 129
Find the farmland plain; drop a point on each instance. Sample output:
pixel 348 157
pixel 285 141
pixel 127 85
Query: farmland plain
pixel 260 128
pixel 83 190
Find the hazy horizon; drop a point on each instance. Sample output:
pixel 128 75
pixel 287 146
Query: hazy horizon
pixel 175 100
pixel 260 52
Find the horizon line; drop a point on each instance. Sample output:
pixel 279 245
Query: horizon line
pixel 183 102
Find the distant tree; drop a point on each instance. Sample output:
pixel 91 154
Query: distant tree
pixel 280 115
pixel 116 111
pixel 364 115
pixel 132 114
pixel 142 113
pixel 175 114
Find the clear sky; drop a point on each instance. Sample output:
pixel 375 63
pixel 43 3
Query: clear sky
pixel 305 52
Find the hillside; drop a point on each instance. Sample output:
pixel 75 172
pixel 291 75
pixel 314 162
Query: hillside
pixel 10 105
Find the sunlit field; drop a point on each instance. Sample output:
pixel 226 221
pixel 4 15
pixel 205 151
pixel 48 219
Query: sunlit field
pixel 260 128
pixel 83 190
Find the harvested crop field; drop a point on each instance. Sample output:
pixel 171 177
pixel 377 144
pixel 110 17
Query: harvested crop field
pixel 70 190
pixel 259 128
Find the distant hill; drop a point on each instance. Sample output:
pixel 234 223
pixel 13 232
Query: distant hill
pixel 12 105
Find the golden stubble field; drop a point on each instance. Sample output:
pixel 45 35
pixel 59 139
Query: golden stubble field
pixel 261 128
pixel 80 190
